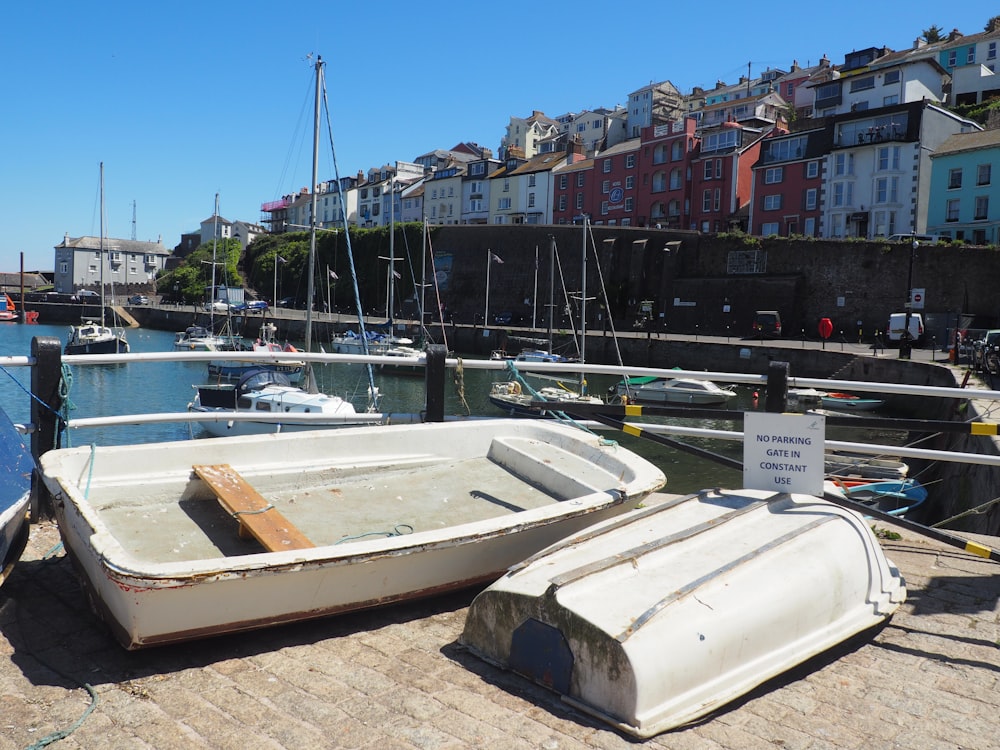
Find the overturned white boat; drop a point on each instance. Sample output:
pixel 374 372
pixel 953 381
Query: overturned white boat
pixel 334 520
pixel 660 616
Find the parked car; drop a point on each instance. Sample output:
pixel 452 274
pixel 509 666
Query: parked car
pixel 217 306
pixel 503 318
pixel 138 299
pixel 88 297
pixel 286 302
pixel 986 352
pixel 257 304
pixel 766 323
pixel 237 306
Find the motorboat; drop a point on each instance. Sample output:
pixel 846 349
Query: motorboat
pixel 663 615
pixel 847 465
pixel 656 390
pixel 895 497
pixel 278 406
pixel 16 468
pixel 92 337
pixel 184 540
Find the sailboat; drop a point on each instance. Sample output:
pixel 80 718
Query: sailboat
pixel 513 398
pixel 94 337
pixel 263 392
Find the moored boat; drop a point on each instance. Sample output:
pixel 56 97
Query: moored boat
pixel 514 401
pixel 661 616
pixel 340 520
pixel 655 390
pixel 850 402
pixel 895 497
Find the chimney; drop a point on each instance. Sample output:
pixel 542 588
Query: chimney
pixel 955 34
pixel 574 149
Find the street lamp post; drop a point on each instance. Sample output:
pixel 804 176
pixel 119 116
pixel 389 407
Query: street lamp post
pixel 905 341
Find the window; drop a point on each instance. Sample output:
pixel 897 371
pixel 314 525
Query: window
pixel 579 179
pixel 863 84
pixel 769 228
pixel 64 267
pixel 660 154
pixel 675 179
pixel 951 210
pixel 952 58
pixel 954 178
pixel 983 174
pixel 478 168
pixel 676 151
pixel 810 202
pixel 579 201
pixel 970 55
pixel 630 182
pixel 476 204
pixel 888 101
pixel 659 182
pixel 562 202
pixel 563 182
pixel 843 193
pixel 718 169
pixel 887 158
pixel 809 227
pixel 506 185
pixel 843 164
pixel 531 180
pixel 708 170
pixel 812 169
pixel 773 175
pixel 772 202
pixel 891 76
pixel 607 166
pixel 982 207
pixel 886 189
pixel 606 186
pixel 717 200
pixel 628 204
pixel 629 161
pixel 604 208
pixel 706 201
pixel 991 51
pixel 504 204
pixel 785 149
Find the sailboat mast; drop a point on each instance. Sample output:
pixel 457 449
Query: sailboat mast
pixel 583 304
pixel 392 255
pixel 215 244
pixel 101 242
pixel 311 285
pixel 423 274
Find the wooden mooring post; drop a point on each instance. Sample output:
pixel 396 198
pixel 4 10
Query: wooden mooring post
pixel 46 375
pixel 434 383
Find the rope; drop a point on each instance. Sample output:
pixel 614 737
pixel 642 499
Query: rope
pixel 62 421
pixel 459 380
pixel 265 509
pixel 65 385
pixel 398 530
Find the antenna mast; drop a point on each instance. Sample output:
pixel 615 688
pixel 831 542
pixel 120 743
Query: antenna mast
pixel 133 220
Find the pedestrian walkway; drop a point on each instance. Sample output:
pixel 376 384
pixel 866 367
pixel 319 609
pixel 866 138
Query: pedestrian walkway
pixel 396 678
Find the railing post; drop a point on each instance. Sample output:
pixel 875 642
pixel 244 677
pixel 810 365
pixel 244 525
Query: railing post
pixel 434 382
pixel 46 374
pixel 776 399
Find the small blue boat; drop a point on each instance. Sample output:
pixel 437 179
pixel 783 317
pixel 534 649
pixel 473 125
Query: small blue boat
pixel 895 497
pixel 16 467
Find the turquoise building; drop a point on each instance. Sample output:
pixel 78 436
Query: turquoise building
pixel 965 188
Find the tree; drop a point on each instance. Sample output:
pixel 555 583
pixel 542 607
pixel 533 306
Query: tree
pixel 933 34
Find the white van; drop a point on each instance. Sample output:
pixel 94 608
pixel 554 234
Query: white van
pixel 897 324
pixel 923 239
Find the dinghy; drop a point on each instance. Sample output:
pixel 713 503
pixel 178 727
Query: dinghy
pixel 661 616
pixel 182 540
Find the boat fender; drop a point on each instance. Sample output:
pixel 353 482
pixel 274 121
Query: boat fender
pixel 515 388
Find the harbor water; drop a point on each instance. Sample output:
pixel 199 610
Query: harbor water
pixel 152 387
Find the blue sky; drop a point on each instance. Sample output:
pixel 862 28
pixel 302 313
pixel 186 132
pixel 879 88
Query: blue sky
pixel 183 100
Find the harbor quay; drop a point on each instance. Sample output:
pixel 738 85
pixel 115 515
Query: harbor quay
pixel 396 677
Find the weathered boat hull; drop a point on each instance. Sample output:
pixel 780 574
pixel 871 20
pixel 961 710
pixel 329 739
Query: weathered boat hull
pixel 394 512
pixel 16 466
pixel 663 615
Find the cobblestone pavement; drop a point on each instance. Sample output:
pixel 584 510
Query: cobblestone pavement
pixel 396 678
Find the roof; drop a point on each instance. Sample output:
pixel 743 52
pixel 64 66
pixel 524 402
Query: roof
pixel 541 163
pixel 973 141
pixel 111 243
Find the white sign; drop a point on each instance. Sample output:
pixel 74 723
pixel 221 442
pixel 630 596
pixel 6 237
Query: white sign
pixel 783 452
pixel 917 298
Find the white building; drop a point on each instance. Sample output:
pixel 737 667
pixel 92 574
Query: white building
pixel 127 263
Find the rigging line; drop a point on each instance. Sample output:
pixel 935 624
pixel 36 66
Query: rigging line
pixel 350 250
pixel 566 304
pixel 607 304
pixel 437 289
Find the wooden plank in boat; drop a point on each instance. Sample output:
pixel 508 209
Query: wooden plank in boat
pixel 255 514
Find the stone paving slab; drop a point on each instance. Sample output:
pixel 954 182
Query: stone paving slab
pixel 396 678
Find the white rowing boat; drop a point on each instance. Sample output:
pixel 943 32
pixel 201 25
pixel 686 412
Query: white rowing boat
pixel 661 616
pixel 335 520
